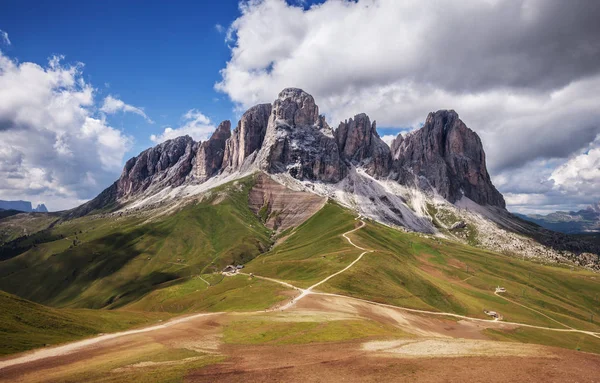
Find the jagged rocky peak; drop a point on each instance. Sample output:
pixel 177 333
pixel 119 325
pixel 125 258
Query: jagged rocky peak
pixel 450 157
pixel 396 145
pixel 209 157
pixel 299 141
pixel 166 164
pixel 295 107
pixel 359 143
pixel 247 137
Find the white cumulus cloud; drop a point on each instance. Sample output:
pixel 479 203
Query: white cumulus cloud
pixel 528 89
pixel 580 175
pixel 53 148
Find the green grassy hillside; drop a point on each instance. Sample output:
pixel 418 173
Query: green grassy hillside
pixel 168 264
pixel 14 225
pixel 432 274
pixel 25 325
pixel 95 262
pixel 237 293
pixel 312 251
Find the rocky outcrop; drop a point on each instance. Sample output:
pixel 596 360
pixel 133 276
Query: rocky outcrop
pixel 450 157
pixel 247 137
pixel 280 208
pixel 396 147
pixel 209 157
pixel 166 164
pixel 299 141
pixel 40 208
pixel 360 144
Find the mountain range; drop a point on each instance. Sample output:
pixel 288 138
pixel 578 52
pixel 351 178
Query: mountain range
pixel 571 222
pixel 433 180
pixel 23 206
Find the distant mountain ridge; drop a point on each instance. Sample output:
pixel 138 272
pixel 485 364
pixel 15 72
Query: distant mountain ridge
pixel 572 222
pixel 24 206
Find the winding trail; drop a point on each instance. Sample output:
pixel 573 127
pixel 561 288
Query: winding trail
pixel 305 292
pixel 534 310
pixel 79 345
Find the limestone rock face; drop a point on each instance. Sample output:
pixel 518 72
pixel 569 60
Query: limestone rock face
pixel 209 158
pixel 359 143
pixel 247 137
pixel 395 147
pixel 450 157
pixel 166 164
pixel 299 141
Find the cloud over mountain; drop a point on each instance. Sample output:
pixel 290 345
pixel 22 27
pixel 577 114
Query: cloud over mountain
pixel 522 73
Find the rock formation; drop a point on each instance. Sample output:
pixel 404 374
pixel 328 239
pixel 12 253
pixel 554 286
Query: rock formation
pixel 299 141
pixel 40 208
pixel 24 206
pixel 290 136
pixel 209 158
pixel 247 137
pixel 450 157
pixel 359 143
pixel 395 148
pixel 166 164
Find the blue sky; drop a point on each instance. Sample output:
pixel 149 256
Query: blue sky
pixel 163 57
pixel 523 74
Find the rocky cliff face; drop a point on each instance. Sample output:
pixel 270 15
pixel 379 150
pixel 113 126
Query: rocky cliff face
pixel 40 208
pixel 360 144
pixel 166 164
pixel 209 158
pixel 450 157
pixel 396 147
pixel 247 137
pixel 299 141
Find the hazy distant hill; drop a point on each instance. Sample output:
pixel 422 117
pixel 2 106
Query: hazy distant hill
pixel 572 222
pixel 24 206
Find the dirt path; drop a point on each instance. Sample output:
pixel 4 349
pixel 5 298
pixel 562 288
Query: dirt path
pixel 70 348
pixel 534 310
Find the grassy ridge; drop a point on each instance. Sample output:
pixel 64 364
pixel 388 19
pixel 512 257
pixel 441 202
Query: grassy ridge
pixel 311 252
pixel 14 226
pixel 97 262
pixel 25 325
